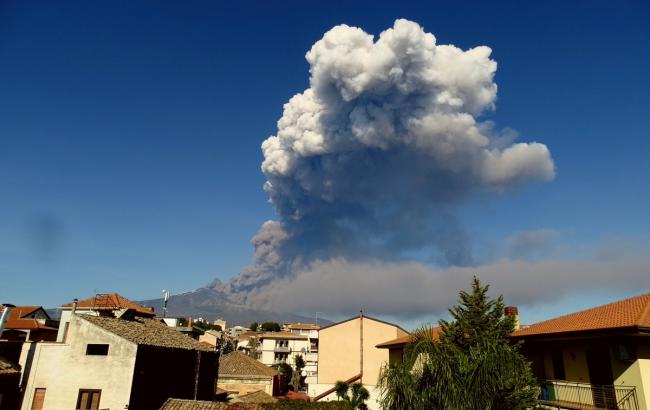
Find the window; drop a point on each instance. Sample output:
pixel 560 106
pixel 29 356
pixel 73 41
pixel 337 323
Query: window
pixel 39 398
pixel 96 349
pixel 88 399
pixel 280 357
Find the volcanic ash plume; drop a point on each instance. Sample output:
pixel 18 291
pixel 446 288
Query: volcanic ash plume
pixel 370 161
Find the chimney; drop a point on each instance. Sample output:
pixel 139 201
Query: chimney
pixel 75 302
pixel 514 311
pixel 5 315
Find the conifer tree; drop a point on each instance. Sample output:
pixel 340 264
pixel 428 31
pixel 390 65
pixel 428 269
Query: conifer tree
pixel 473 366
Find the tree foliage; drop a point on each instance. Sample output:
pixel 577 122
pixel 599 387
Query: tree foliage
pixel 253 326
pixel 472 366
pixel 270 327
pixel 296 378
pixel 201 324
pixel 227 345
pixel 354 394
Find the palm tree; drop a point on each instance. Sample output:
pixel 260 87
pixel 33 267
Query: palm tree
pixel 253 346
pixel 357 397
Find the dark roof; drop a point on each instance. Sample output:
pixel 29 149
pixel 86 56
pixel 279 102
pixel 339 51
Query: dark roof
pixel 182 404
pixel 7 367
pixel 148 332
pixel 240 365
pixel 365 317
pixel 112 301
pixel 632 313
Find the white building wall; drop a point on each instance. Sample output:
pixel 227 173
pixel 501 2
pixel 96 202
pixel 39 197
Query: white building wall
pixel 65 318
pixel 64 368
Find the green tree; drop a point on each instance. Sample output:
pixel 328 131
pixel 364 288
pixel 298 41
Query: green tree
pixel 296 379
pixel 473 366
pixel 270 327
pixel 354 394
pixel 253 326
pixel 227 345
pixel 284 369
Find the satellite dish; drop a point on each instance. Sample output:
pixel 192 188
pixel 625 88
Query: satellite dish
pixel 304 373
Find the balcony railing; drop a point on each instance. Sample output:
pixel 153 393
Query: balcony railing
pixel 282 349
pixel 585 396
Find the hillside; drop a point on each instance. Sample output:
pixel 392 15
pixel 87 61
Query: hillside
pixel 211 304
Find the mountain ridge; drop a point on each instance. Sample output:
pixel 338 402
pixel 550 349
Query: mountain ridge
pixel 212 304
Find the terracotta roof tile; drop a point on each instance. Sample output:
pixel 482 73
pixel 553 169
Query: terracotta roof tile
pixel 302 326
pixel 258 396
pixel 18 319
pixel 112 301
pixel 403 340
pixel 148 332
pixel 181 404
pixel 630 313
pixel 238 364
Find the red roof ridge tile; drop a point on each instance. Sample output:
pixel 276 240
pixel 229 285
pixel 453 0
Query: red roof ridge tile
pixel 632 312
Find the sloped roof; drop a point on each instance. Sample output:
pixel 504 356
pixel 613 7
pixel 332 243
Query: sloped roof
pixel 147 332
pixel 240 365
pixel 632 313
pixel 282 335
pixel 248 335
pixel 17 320
pixel 181 404
pixel 403 340
pixel 112 301
pixel 302 326
pixel 7 367
pixel 258 396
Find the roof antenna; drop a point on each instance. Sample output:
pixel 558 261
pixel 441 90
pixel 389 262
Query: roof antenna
pixel 165 299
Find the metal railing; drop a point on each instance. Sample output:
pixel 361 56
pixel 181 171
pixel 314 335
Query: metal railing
pixel 284 349
pixel 583 396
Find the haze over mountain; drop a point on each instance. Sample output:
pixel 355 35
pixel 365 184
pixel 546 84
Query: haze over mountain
pixel 211 304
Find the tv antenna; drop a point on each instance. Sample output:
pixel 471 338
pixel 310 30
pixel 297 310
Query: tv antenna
pixel 165 299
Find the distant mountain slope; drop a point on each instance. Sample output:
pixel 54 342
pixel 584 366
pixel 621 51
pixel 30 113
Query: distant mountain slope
pixel 212 304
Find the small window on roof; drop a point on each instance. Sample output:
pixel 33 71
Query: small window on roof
pixel 95 349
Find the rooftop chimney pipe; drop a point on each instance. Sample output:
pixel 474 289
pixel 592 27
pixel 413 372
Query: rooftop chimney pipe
pixel 75 302
pixel 514 311
pixel 5 315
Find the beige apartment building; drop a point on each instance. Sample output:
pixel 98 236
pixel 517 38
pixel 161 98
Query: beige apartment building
pixel 283 347
pixel 347 351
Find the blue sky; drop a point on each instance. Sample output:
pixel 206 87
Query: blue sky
pixel 130 131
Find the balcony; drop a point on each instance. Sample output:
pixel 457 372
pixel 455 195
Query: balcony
pixel 584 396
pixel 282 349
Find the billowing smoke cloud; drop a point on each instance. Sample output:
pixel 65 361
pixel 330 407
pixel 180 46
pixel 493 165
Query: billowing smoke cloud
pixel 370 161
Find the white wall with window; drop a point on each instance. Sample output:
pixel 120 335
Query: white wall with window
pixel 282 347
pixel 91 370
